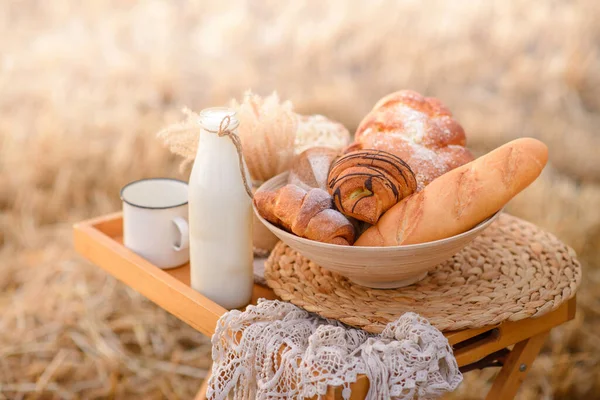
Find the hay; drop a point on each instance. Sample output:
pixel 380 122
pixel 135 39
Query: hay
pixel 85 86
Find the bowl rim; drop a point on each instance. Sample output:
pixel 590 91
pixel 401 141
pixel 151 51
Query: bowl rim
pixel 480 226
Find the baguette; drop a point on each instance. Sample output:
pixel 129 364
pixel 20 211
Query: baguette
pixel 460 199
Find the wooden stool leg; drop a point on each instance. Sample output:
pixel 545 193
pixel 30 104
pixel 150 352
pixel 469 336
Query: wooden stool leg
pixel 518 363
pixel 201 395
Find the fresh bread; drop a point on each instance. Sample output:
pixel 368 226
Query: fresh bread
pixel 461 198
pixel 306 214
pixel 310 168
pixel 420 130
pixel 364 184
pixel 318 130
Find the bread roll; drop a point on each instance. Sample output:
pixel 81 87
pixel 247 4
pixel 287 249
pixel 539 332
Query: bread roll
pixel 420 130
pixel 306 214
pixel 461 198
pixel 310 168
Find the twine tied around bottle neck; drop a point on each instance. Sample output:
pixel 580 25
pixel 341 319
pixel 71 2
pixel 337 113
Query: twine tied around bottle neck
pixel 235 139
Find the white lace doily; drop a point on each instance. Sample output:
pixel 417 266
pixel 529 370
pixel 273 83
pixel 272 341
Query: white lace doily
pixel 275 350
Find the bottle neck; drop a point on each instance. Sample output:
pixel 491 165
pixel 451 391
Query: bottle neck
pixel 211 144
pixel 220 150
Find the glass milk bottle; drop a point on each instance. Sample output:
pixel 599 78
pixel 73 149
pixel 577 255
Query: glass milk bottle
pixel 220 215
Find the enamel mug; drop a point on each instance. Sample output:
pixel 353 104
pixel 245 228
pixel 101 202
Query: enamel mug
pixel 155 226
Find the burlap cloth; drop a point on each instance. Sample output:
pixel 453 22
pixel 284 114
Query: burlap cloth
pixel 514 270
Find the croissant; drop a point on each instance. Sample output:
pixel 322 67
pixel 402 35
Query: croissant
pixel 306 214
pixel 366 183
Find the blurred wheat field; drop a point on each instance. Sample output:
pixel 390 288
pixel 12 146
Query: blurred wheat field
pixel 85 86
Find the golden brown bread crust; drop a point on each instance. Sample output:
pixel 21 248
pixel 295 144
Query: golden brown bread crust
pixel 306 214
pixel 420 130
pixel 461 198
pixel 364 184
pixel 310 168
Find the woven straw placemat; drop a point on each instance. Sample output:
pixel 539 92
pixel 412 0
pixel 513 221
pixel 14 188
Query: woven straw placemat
pixel 514 270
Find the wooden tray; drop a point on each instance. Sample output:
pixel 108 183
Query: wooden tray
pixel 100 241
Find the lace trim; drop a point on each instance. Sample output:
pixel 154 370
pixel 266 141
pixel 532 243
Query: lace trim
pixel 276 350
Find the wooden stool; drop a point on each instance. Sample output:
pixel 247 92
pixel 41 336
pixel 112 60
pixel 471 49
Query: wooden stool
pixel 100 241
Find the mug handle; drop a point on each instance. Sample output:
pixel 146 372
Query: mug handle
pixel 184 233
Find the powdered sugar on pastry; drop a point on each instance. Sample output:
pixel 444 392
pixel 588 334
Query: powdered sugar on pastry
pixel 419 130
pixel 414 122
pixel 320 166
pixel 310 168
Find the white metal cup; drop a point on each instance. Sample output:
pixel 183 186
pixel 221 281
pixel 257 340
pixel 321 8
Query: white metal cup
pixel 155 226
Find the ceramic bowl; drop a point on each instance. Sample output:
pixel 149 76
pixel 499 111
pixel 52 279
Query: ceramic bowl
pixel 375 267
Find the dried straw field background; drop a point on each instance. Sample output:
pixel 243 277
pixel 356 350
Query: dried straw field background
pixel 85 86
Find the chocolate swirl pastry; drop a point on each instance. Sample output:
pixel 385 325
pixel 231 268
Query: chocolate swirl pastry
pixel 366 183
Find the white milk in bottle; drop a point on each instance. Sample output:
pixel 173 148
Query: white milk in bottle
pixel 220 215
